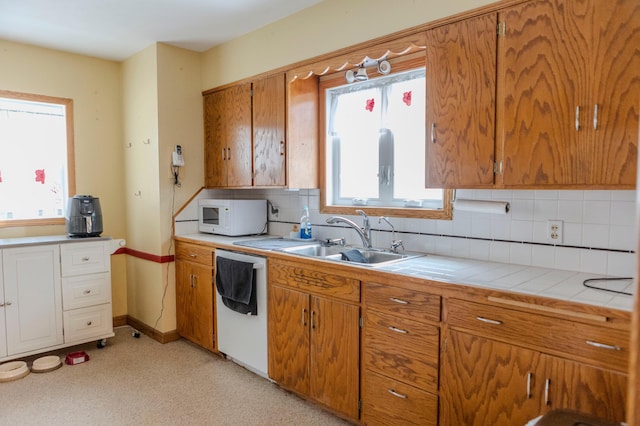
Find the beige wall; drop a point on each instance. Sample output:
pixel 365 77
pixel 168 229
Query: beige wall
pixel 95 87
pixel 323 28
pixel 162 108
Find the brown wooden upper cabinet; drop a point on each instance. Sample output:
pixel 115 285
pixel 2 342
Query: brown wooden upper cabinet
pixel 461 90
pixel 571 93
pixel 227 117
pixel 246 127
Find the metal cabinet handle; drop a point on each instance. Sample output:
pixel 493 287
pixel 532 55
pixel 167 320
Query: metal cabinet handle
pixel 489 321
pixel 86 259
pixel 281 147
pixel 8 303
pixel 87 292
pixel 578 118
pixel 603 345
pixel 304 317
pixel 192 255
pixel 398 330
pixel 228 153
pixel 595 117
pixel 394 393
pixel 433 132
pixel 529 377
pixel 547 385
pixel 313 315
pixel 224 154
pixel 402 302
pixel 1 305
pixel 89 323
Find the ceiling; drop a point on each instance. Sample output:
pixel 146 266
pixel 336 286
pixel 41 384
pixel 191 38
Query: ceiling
pixel 117 29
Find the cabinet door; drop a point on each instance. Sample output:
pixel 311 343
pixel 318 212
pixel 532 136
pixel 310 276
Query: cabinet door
pixel 611 156
pixel 214 143
pixel 586 389
pixel 461 86
pixel 544 65
pixel 488 383
pixel 288 322
pixel 334 359
pixel 228 137
pixel 32 297
pixel 268 131
pixel 194 303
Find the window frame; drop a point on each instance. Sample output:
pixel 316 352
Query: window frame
pixel 400 64
pixel 71 176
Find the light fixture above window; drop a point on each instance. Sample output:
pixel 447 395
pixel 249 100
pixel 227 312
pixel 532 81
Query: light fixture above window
pixel 360 74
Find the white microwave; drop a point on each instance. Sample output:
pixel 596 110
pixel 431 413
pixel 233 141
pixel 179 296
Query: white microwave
pixel 232 217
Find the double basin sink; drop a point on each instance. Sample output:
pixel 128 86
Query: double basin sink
pixel 350 254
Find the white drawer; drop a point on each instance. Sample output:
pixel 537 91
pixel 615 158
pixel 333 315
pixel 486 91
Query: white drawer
pixel 86 290
pixel 85 258
pixel 88 323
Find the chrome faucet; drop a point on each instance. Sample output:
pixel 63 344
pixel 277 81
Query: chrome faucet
pixel 395 244
pixel 364 232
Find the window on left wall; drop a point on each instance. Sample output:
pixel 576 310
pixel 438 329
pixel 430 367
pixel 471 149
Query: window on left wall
pixel 36 158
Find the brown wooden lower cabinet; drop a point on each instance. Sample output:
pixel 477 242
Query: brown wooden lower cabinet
pixel 314 347
pixel 194 294
pixel 487 382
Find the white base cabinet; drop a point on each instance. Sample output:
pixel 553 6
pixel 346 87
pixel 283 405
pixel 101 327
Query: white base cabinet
pixel 54 295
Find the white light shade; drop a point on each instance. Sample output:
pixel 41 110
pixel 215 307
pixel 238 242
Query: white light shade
pixel 361 75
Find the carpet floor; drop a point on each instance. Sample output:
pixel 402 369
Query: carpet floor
pixel 138 381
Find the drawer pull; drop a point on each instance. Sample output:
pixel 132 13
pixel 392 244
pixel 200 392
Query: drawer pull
pixel 86 259
pixel 394 393
pixel 489 321
pixel 398 330
pixel 547 385
pixel 402 302
pixel 604 346
pixel 89 323
pixel 304 317
pixel 193 255
pixel 87 292
pixel 529 377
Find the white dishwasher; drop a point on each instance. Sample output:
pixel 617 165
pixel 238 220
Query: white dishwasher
pixel 242 337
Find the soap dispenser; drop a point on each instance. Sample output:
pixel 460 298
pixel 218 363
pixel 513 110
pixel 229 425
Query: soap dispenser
pixel 305 224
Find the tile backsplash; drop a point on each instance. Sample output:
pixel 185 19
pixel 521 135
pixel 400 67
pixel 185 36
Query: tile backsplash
pixel 598 227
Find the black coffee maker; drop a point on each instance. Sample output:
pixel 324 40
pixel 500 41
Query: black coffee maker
pixel 84 216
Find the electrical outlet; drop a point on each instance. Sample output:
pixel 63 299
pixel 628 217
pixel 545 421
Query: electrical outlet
pixel 554 231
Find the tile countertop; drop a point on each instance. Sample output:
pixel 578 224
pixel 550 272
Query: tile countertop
pixel 553 283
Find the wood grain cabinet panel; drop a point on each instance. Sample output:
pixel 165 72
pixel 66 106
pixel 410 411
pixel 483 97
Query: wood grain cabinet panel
pixel 314 341
pixel 571 93
pixel 390 402
pixel 502 366
pixel 194 294
pixel 269 131
pixel 461 90
pixel 400 356
pixel 228 145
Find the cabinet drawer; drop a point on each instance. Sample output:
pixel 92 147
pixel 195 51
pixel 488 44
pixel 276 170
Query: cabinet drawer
pixel 86 290
pixel 405 303
pixel 389 402
pixel 194 253
pixel 88 323
pixel 314 281
pixel 403 349
pixel 604 347
pixel 84 258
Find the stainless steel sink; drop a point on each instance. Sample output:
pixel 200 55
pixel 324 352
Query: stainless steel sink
pixel 362 256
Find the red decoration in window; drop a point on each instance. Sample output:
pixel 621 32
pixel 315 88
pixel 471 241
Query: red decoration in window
pixel 407 98
pixel 40 176
pixel 370 104
pixel 0 177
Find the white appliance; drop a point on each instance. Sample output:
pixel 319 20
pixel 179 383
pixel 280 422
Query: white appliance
pixel 232 217
pixel 241 337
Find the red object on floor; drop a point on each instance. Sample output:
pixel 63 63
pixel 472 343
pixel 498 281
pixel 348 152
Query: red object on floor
pixel 76 358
